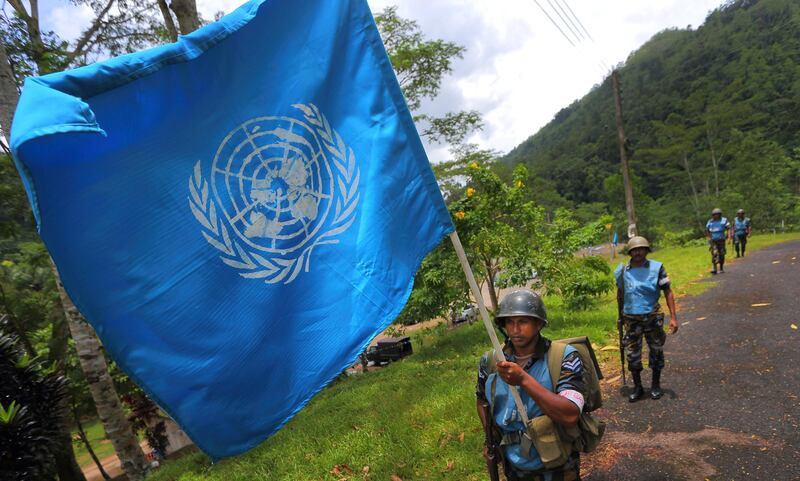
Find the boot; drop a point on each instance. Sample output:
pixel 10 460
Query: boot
pixel 714 268
pixel 721 267
pixel 638 390
pixel 655 390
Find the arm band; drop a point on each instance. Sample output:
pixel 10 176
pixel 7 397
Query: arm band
pixel 573 396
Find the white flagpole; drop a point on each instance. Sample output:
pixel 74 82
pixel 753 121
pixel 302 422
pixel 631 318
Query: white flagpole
pixel 498 349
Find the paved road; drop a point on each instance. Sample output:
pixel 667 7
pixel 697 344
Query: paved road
pixel 732 379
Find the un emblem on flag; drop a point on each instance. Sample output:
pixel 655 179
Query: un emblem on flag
pixel 279 187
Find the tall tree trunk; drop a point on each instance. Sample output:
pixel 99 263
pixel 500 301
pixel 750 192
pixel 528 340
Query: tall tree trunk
pixel 87 345
pixel 696 202
pixel 88 445
pixel 186 13
pixel 170 24
pixel 109 408
pixel 68 468
pixel 490 285
pixel 58 346
pixel 9 96
pixel 714 162
pixel 37 49
pixel 66 464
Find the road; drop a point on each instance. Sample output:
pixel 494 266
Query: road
pixel 732 381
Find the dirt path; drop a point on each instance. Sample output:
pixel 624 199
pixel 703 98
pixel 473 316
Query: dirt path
pixel 732 380
pixel 111 465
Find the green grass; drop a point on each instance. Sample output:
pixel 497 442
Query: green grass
pixel 416 418
pixel 97 438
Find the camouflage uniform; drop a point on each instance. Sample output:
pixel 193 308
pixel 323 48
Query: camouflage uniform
pixel 650 326
pixel 741 229
pixel 716 230
pixel 718 251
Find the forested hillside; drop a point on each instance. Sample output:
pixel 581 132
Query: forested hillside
pixel 712 117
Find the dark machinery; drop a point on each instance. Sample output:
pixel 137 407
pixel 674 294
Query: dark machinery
pixel 389 349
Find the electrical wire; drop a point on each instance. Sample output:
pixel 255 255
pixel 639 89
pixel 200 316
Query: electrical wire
pixel 600 57
pixel 554 23
pixel 579 21
pixel 577 37
pixel 583 37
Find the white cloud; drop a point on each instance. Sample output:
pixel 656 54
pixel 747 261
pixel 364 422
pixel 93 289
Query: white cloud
pixel 68 20
pixel 518 70
pixel 208 8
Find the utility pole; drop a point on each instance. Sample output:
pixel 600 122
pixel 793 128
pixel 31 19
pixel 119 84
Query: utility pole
pixel 623 157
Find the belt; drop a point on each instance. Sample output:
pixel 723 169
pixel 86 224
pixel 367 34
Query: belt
pixel 642 317
pixel 569 475
pixel 511 438
pixel 562 474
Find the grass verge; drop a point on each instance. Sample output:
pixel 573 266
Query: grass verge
pixel 416 418
pixel 101 445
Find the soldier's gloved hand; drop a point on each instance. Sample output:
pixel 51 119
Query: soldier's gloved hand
pixel 511 373
pixel 673 325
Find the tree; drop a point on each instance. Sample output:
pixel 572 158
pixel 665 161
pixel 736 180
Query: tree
pixel 420 64
pixel 508 242
pixel 578 279
pixel 32 414
pixel 762 167
pixel 497 223
pixel 186 13
pixel 106 399
pixel 686 91
pixel 24 51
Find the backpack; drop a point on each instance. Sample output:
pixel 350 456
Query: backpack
pixel 586 435
pixel 589 430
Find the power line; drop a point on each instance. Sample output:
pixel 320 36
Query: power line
pixel 579 21
pixel 567 22
pixel 554 22
pixel 601 57
pixel 600 63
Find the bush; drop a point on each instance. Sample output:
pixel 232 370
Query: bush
pixel 32 414
pixel 587 279
pixel 672 238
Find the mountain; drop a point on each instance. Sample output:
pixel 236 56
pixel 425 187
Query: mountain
pixel 712 118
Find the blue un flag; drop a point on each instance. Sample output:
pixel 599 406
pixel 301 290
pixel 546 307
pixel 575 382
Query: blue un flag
pixel 238 213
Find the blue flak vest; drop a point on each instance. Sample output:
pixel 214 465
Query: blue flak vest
pixel 641 287
pixel 507 418
pixel 717 228
pixel 740 226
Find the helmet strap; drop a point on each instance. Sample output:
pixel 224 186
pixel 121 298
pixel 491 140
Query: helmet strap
pixel 506 339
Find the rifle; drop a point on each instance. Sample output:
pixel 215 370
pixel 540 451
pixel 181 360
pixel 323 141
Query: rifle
pixel 621 351
pixel 492 446
pixel 620 305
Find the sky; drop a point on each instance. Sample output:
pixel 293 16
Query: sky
pixel 518 70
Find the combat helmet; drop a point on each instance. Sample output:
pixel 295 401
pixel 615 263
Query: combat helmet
pixel 716 210
pixel 740 211
pixel 637 241
pixel 521 302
